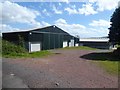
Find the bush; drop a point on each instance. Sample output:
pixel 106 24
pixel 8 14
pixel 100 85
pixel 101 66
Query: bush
pixel 10 48
pixel 117 52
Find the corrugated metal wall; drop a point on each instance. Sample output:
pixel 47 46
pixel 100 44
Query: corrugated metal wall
pixel 52 41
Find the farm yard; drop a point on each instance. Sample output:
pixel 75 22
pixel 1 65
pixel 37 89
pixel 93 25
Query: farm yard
pixel 65 68
pixel 60 44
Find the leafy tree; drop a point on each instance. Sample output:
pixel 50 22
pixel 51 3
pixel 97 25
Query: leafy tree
pixel 114 33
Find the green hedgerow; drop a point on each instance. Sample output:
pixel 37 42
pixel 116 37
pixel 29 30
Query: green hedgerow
pixel 8 48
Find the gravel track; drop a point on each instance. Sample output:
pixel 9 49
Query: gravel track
pixel 65 69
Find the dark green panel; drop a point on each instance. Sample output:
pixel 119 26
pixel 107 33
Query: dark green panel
pixel 36 37
pixel 61 40
pixel 52 41
pixel 67 38
pixel 56 40
pixel 46 41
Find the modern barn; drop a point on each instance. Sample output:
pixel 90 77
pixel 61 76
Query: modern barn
pixel 46 38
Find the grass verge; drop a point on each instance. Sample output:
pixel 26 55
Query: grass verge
pixel 28 55
pixel 79 47
pixel 110 67
pixel 106 60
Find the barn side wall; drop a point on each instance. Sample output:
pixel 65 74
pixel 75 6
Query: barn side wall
pixel 99 45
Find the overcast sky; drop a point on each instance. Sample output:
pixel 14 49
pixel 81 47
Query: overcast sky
pixel 86 19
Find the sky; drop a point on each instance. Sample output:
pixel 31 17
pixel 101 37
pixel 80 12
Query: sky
pixel 89 18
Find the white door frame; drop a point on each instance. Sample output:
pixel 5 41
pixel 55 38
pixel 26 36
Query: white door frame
pixel 30 46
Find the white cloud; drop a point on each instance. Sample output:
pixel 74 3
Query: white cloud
pixel 81 30
pixel 100 23
pixel 92 1
pixel 60 21
pixel 100 27
pixel 86 9
pixel 13 12
pixel 45 24
pixel 67 1
pixel 59 4
pixel 7 28
pixel 93 7
pixel 98 32
pixel 45 12
pixel 56 11
pixel 71 11
pixel 105 4
pixel 73 29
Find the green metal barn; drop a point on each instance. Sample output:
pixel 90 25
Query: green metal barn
pixel 42 38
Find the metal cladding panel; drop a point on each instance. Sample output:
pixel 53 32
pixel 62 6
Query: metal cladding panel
pixel 52 41
pixel 66 37
pixel 57 41
pixel 35 37
pixel 100 45
pixel 46 42
pixel 61 40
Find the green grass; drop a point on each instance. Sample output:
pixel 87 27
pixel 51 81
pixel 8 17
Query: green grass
pixel 106 60
pixel 109 66
pixel 40 54
pixel 79 47
pixel 11 50
pixel 28 55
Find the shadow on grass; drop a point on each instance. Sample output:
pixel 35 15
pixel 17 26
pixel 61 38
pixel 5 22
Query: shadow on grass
pixel 101 56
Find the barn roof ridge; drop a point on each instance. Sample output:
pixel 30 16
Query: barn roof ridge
pixel 34 29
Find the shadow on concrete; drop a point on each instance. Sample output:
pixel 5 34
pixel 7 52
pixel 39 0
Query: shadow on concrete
pixel 101 56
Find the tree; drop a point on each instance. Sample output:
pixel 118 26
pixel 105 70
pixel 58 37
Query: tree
pixel 21 41
pixel 114 34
